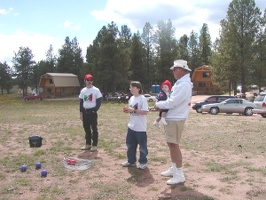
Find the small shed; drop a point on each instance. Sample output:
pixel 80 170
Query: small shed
pixel 59 84
pixel 202 81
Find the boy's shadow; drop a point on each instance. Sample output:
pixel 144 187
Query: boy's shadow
pixel 141 178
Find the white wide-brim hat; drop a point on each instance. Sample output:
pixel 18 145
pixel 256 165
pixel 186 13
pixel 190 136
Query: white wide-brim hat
pixel 181 64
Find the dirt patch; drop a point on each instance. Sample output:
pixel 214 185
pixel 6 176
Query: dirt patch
pixel 224 156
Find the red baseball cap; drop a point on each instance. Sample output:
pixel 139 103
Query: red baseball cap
pixel 88 76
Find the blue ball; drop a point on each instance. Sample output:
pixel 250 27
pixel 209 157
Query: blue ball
pixel 23 168
pixel 44 173
pixel 38 165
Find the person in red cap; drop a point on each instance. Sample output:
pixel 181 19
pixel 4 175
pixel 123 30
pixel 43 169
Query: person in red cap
pixel 90 102
pixel 162 96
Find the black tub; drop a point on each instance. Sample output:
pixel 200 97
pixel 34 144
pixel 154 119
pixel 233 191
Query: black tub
pixel 35 141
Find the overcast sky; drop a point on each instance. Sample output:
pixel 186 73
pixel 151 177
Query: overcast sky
pixel 38 23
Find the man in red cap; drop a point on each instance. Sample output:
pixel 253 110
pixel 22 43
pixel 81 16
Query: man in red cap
pixel 90 102
pixel 162 96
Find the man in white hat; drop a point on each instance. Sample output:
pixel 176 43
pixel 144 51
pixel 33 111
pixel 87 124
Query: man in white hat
pixel 178 104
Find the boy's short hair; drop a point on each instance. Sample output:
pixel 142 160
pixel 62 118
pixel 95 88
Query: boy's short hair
pixel 138 85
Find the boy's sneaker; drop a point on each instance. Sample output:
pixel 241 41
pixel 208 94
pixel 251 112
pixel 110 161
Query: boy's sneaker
pixel 127 164
pixel 142 166
pixel 86 147
pixel 94 148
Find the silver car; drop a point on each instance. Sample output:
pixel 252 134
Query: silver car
pixel 150 98
pixel 230 106
pixel 260 104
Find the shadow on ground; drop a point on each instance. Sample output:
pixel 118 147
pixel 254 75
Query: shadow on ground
pixel 141 178
pixel 181 192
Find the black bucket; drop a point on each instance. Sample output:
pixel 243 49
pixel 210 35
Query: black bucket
pixel 35 141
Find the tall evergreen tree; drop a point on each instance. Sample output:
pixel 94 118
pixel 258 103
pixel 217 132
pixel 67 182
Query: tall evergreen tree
pixel 5 77
pixel 104 58
pixel 147 40
pixel 137 60
pixel 259 70
pixel 237 42
pixel 193 51
pixel 50 60
pixel 92 57
pixel 166 44
pixel 42 67
pixel 205 45
pixel 183 52
pixel 70 58
pixel 124 43
pixel 78 58
pixel 125 35
pixel 23 63
pixel 35 78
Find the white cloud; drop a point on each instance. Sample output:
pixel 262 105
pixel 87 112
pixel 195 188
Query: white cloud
pixel 39 44
pixel 5 12
pixel 185 17
pixel 72 26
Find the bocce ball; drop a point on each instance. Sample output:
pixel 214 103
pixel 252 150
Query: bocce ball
pixel 38 165
pixel 23 168
pixel 44 173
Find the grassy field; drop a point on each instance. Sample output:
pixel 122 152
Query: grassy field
pixel 231 147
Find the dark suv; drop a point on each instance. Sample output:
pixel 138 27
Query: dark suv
pixel 210 99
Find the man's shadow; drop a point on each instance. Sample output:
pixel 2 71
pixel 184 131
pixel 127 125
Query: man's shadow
pixel 139 177
pixel 181 191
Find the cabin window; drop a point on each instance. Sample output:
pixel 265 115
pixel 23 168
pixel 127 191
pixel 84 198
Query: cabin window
pixel 206 74
pixel 51 81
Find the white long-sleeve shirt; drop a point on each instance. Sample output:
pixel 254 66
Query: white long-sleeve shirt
pixel 179 101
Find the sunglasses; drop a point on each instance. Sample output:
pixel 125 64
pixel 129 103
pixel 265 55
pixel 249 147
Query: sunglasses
pixel 89 80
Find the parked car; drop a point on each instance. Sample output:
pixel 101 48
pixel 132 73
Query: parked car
pixel 229 106
pixel 113 97
pixel 241 95
pixel 260 104
pixel 150 98
pixel 33 97
pixel 210 99
pixel 125 97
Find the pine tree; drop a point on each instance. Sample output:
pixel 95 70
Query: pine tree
pixel 24 64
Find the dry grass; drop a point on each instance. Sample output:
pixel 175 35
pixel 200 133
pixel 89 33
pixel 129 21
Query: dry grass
pixel 228 147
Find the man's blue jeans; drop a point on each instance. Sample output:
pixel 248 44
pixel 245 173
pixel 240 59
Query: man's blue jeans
pixel 134 139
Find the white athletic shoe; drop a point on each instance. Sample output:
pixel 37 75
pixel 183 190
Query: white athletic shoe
pixel 169 172
pixel 86 147
pixel 163 121
pixel 177 178
pixel 142 166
